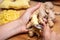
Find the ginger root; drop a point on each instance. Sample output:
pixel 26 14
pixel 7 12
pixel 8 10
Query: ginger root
pixel 15 4
pixel 34 26
pixel 34 19
pixel 50 22
pixel 49 5
pixel 42 12
pixel 44 15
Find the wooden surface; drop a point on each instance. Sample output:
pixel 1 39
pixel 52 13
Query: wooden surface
pixel 56 27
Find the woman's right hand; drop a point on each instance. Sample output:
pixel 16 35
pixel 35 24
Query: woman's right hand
pixel 49 34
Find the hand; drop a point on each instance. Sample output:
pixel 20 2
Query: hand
pixel 17 26
pixel 49 34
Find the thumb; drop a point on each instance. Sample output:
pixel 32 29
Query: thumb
pixel 26 16
pixel 46 32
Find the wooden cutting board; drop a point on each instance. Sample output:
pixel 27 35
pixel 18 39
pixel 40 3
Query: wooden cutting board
pixel 56 27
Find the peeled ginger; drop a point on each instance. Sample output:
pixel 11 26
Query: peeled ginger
pixel 15 4
pixel 8 15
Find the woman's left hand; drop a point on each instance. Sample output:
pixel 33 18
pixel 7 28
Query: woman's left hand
pixel 17 26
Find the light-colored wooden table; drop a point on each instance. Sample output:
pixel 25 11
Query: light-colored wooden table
pixel 56 27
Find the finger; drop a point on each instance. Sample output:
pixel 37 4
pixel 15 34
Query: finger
pixel 46 32
pixel 46 28
pixel 25 18
pixel 45 20
pixel 58 36
pixel 53 36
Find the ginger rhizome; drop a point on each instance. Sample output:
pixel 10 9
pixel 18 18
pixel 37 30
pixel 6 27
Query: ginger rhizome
pixel 44 14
